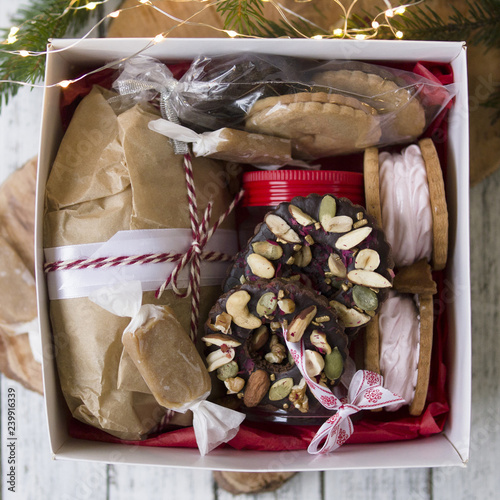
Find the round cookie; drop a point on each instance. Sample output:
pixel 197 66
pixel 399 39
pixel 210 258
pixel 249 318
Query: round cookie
pixel 326 243
pixel 405 115
pixel 246 349
pixel 318 124
pixel 437 197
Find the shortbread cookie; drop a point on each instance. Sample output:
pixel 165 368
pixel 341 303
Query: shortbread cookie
pixel 327 243
pixel 318 124
pixel 438 204
pixel 403 115
pixel 245 335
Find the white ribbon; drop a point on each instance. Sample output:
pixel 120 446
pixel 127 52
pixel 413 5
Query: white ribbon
pixel 365 393
pixel 66 284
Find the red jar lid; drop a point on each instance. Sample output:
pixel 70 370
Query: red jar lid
pixel 270 188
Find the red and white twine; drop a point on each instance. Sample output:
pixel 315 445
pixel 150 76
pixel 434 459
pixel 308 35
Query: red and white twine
pixel 201 234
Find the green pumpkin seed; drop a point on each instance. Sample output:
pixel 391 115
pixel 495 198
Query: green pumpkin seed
pixel 327 209
pixel 334 364
pixel 230 370
pixel 281 389
pixel 364 298
pixel 267 304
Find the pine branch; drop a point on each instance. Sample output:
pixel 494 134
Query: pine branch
pixel 493 102
pixel 38 22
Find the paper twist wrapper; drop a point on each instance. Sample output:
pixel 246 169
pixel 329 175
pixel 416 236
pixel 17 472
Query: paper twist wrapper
pixel 112 173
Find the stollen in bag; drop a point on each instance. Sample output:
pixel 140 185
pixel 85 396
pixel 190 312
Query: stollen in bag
pixel 169 363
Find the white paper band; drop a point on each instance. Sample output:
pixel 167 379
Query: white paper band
pixel 69 284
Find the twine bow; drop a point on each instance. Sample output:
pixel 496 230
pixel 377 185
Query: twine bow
pixel 365 393
pixel 201 235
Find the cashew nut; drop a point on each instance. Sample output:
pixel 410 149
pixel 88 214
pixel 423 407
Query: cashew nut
pixel 236 306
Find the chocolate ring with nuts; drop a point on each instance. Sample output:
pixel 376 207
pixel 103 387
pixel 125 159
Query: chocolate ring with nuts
pixel 247 351
pixel 327 243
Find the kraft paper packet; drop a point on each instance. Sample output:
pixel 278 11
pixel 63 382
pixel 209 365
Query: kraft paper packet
pixel 112 173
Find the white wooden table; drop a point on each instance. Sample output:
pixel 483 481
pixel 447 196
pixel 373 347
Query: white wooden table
pixel 39 477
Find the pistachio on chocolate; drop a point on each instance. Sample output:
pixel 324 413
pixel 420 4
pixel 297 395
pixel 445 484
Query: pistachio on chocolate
pixel 228 370
pixel 281 389
pixel 334 364
pixel 266 304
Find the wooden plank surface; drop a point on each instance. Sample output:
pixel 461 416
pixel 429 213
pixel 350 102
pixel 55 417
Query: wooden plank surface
pixel 39 477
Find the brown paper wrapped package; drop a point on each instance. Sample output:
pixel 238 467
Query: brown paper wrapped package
pixel 112 173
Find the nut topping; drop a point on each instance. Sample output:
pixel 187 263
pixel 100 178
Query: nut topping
pixel 298 396
pixel 266 304
pixel 367 259
pixel 268 249
pixel 349 316
pixel 278 351
pixel 220 339
pixel 223 323
pixel 280 228
pixel 368 278
pixel 314 362
pixel 319 341
pixel 353 238
pixel 334 364
pixel 286 305
pixel 338 224
pixel 299 324
pixel 257 387
pixel 234 385
pixel 236 306
pixel 259 338
pixel 218 358
pixel 327 210
pixel 260 266
pixel 365 298
pixel 336 266
pixel 301 217
pixel 229 370
pixel 281 389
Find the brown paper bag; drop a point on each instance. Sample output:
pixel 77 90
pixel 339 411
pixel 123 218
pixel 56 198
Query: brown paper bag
pixel 112 173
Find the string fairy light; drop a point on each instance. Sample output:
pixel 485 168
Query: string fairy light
pixel 370 31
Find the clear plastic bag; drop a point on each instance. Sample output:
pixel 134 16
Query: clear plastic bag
pixel 325 108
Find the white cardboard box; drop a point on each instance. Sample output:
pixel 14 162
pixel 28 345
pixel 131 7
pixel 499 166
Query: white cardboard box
pixel 448 448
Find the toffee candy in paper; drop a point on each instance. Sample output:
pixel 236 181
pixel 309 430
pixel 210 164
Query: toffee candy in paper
pixel 244 147
pixel 252 320
pixel 167 359
pixel 318 124
pixel 326 242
